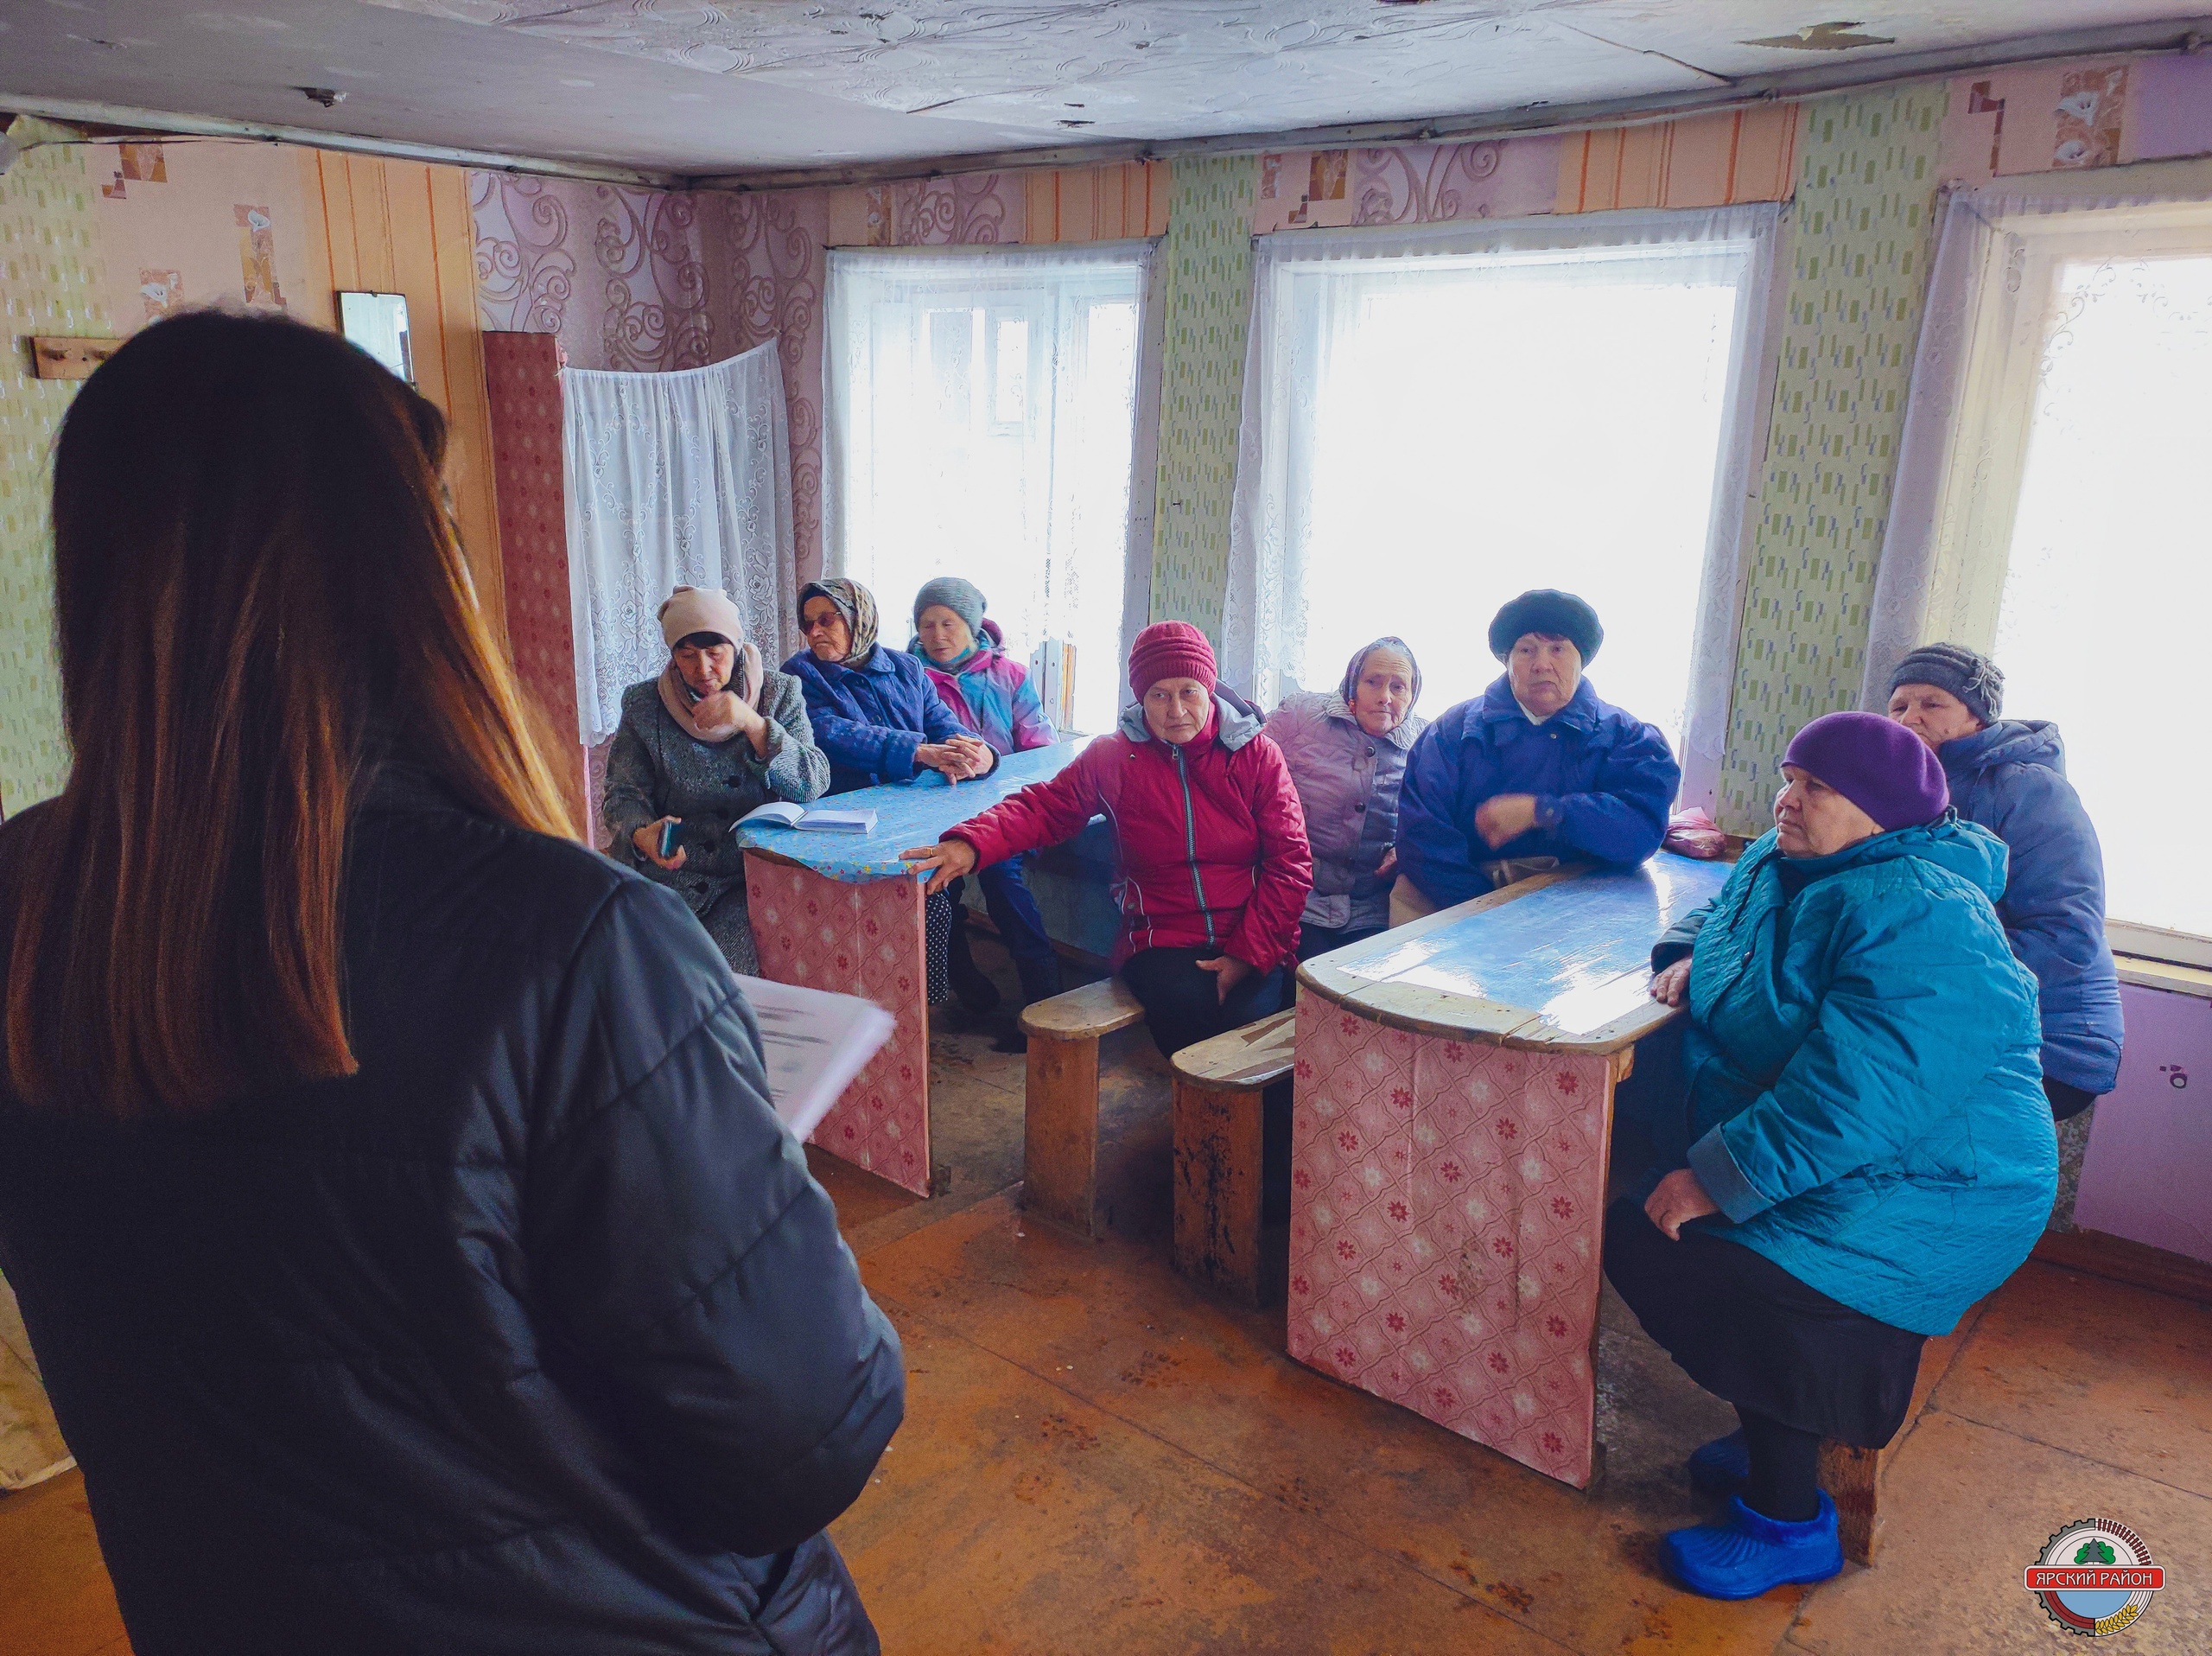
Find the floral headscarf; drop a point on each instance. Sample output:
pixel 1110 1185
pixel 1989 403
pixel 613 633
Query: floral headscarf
pixel 857 605
pixel 1349 688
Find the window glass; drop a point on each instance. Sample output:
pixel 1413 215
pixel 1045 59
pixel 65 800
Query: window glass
pixel 982 423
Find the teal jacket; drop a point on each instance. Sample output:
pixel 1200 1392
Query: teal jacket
pixel 1864 1102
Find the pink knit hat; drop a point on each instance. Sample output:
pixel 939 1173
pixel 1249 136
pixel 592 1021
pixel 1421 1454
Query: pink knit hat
pixel 1170 650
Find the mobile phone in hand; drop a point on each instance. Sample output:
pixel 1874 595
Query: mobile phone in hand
pixel 668 829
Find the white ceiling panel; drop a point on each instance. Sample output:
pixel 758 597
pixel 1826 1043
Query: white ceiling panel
pixel 740 84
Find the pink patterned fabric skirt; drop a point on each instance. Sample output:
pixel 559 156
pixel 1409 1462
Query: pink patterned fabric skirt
pixel 857 940
pixel 1448 1200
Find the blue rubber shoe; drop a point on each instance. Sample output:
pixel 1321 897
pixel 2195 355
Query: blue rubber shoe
pixel 1722 1466
pixel 1752 1553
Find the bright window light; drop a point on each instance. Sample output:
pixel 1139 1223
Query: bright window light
pixel 2110 571
pixel 982 423
pixel 1432 427
pixel 1521 430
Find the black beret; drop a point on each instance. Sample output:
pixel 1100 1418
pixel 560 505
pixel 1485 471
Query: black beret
pixel 1561 615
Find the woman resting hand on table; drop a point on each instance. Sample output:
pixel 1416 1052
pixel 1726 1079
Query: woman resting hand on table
pixel 1211 863
pixel 876 713
pixel 713 736
pixel 1870 1150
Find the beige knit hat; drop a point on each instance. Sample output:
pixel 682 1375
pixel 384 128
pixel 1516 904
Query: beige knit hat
pixel 700 609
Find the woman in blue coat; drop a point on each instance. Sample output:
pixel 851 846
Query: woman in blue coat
pixel 880 719
pixel 2010 776
pixel 875 711
pixel 1536 766
pixel 1868 1149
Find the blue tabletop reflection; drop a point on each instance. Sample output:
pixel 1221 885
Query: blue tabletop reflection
pixel 906 813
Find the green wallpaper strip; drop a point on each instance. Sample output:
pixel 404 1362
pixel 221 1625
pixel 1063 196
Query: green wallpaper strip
pixel 50 281
pixel 1860 249
pixel 1208 250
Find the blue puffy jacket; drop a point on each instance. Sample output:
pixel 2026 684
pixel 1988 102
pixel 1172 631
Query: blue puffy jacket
pixel 869 719
pixel 2011 778
pixel 1864 1102
pixel 1610 777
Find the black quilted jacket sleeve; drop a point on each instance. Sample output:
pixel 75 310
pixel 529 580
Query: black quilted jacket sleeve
pixel 681 1261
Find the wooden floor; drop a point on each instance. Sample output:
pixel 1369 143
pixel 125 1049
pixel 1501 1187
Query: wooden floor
pixel 1096 1458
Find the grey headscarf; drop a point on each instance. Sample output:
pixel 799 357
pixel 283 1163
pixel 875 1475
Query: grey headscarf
pixel 1396 646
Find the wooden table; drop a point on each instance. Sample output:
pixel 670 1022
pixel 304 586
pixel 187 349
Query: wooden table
pixel 841 912
pixel 1449 1133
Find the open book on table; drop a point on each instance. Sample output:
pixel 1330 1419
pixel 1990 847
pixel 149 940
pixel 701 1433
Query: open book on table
pixel 827 819
pixel 813 1043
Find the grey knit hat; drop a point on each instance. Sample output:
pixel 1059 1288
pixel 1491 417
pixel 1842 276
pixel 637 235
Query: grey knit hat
pixel 963 598
pixel 1966 674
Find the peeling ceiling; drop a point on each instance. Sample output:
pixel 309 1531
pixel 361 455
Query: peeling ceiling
pixel 735 85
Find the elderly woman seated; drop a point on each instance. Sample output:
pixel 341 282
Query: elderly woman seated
pixel 1346 749
pixel 1535 768
pixel 1868 1147
pixel 716 736
pixel 1211 867
pixel 2010 776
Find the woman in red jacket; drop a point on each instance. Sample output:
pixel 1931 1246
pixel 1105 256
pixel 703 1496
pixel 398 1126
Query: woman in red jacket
pixel 1212 867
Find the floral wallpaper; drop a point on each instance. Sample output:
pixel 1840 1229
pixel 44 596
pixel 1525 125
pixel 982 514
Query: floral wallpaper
pixel 51 281
pixel 1208 255
pixel 1864 222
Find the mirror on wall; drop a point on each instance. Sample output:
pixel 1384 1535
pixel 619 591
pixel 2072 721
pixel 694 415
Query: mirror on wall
pixel 377 323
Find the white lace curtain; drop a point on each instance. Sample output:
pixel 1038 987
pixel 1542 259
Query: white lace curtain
pixel 2049 503
pixel 1436 420
pixel 981 410
pixel 672 479
pixel 1998 313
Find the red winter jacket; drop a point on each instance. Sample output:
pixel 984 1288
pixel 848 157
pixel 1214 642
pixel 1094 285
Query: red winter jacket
pixel 1209 839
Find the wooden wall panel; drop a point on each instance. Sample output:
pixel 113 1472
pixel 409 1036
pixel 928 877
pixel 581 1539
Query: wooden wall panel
pixel 1717 160
pixel 404 227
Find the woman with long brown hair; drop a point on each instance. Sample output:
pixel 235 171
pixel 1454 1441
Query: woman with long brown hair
pixel 389 1184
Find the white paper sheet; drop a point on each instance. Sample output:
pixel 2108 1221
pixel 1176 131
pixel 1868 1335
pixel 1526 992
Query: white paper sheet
pixel 814 1043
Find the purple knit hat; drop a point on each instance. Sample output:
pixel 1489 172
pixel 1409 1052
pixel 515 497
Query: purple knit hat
pixel 1876 764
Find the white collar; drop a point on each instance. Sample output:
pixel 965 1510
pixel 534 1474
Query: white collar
pixel 1530 716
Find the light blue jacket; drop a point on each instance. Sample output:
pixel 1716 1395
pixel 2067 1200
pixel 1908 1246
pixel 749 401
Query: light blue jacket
pixel 2011 779
pixel 1864 1102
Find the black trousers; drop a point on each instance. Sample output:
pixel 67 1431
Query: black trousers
pixel 1748 1331
pixel 1183 1004
pixel 2066 1101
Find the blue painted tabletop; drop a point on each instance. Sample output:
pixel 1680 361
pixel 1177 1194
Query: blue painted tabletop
pixel 1568 962
pixel 906 813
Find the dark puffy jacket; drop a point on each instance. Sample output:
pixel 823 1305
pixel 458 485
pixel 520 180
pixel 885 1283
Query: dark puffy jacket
pixel 2011 778
pixel 1610 777
pixel 870 719
pixel 533 1336
pixel 1208 840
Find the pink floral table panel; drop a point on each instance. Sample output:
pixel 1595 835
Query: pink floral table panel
pixel 1446 1206
pixel 862 940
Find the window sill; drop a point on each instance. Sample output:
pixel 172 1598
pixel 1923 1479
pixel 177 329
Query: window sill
pixel 2164 974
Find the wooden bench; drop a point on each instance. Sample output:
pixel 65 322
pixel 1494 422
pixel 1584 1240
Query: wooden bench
pixel 1060 1152
pixel 1218 1138
pixel 1853 1477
